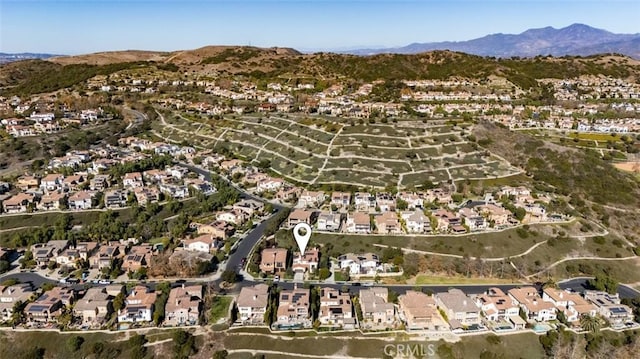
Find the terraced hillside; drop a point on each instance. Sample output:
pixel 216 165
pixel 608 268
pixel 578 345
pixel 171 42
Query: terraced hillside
pixel 322 150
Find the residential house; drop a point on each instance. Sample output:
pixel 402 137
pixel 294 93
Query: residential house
pixel 387 222
pixel 252 304
pixel 178 172
pixel 269 184
pixel 376 311
pixel 72 183
pixel 414 200
pixel 496 305
pixel 287 193
pixel 139 305
pixel 364 201
pixel 307 262
pixel 571 304
pixel 341 199
pixel 532 304
pixel 174 191
pixel 86 249
pixel 10 295
pixel 293 309
pixel 95 307
pixel 420 312
pixel 155 176
pixel 51 182
pixel 47 308
pixel 51 201
pixel 609 306
pixel 366 263
pixel 329 222
pixel 146 195
pixel 446 220
pixel 313 199
pixel 206 243
pixel 472 219
pixel 20 203
pixel 336 308
pixel 26 182
pixel 183 306
pixel 358 222
pixel 132 180
pixel 519 193
pixel 460 310
pixel 299 216
pixel 235 216
pixel 386 202
pixel 139 256
pixel 440 196
pixel 219 229
pixel 43 253
pixel 68 258
pixel 416 221
pixel 106 254
pixel 273 260
pixel 115 199
pixel 250 206
pixel 81 200
pixel 498 215
pixel 99 183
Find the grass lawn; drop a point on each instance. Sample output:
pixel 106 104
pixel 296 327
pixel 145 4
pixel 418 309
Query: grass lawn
pixel 468 347
pixel 20 345
pixel 428 279
pixel 489 245
pixel 219 308
pixel 624 271
pixel 514 180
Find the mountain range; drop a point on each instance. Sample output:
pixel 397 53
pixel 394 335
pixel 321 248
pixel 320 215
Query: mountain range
pixel 5 57
pixel 576 39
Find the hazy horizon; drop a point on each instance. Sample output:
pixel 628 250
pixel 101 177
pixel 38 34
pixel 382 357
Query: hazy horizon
pixel 75 27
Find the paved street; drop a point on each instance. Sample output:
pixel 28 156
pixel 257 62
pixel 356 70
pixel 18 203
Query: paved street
pixel 245 245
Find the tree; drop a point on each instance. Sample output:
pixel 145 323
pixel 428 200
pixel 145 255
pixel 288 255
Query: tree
pixel 184 344
pixel 220 354
pixel 603 282
pixel 136 345
pixel 35 352
pixel 402 204
pixel 118 302
pixel 229 276
pixel 590 323
pixel 75 342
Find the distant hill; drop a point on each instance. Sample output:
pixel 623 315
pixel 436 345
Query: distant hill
pixel 278 64
pixel 576 39
pixel 5 57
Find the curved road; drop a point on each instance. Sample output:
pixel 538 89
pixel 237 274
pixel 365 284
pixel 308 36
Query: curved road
pixel 245 246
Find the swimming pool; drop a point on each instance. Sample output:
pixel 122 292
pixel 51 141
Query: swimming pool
pixel 541 328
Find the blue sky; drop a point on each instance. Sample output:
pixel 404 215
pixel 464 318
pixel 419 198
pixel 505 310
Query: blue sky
pixel 76 26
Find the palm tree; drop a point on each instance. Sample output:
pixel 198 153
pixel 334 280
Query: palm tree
pixel 590 323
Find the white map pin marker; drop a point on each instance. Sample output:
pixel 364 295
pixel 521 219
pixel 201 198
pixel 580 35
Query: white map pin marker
pixel 302 239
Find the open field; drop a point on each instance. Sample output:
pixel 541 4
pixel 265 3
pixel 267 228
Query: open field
pixel 362 347
pixel 530 250
pixel 428 279
pixel 631 166
pixel 318 150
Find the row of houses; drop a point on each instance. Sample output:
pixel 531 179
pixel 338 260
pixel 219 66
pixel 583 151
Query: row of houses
pixel 452 310
pixel 94 307
pixel 56 191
